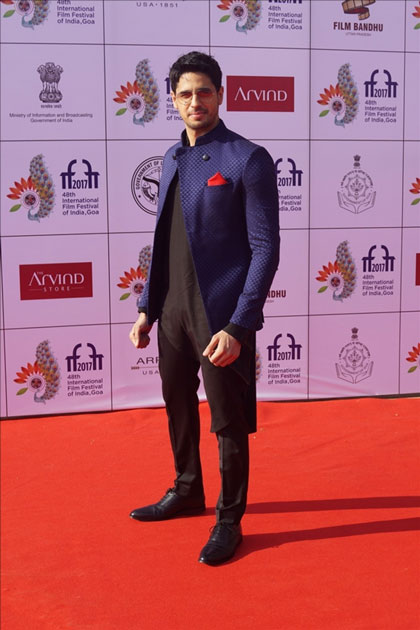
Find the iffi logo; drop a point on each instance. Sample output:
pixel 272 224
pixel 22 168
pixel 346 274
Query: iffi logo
pixel 370 266
pixel 69 181
pixel 95 363
pixel 294 177
pixel 390 91
pixel 292 354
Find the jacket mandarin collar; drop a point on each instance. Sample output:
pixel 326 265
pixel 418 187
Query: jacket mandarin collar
pixel 214 134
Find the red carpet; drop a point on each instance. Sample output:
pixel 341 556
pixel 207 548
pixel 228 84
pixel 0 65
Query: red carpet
pixel 331 532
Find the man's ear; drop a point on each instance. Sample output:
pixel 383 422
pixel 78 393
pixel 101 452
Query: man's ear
pixel 220 94
pixel 174 99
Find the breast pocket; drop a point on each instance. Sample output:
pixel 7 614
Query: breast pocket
pixel 218 208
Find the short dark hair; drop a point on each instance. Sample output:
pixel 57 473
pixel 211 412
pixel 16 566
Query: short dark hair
pixel 195 61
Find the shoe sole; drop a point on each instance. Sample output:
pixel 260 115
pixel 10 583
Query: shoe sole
pixel 180 514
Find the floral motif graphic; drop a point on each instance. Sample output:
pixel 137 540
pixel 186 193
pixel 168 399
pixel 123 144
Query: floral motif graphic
pixel 340 276
pixel 342 99
pixel 246 13
pixel 35 194
pixel 35 10
pixel 129 93
pixel 414 357
pixel 31 376
pixel 135 279
pixel 23 191
pixel 416 191
pixel 416 14
pixel 43 377
pixel 141 97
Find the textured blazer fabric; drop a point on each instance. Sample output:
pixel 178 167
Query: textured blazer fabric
pixel 232 226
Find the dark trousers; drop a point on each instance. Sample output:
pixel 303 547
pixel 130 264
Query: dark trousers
pixel 182 335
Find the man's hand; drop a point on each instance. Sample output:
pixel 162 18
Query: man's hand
pixel 139 334
pixel 223 349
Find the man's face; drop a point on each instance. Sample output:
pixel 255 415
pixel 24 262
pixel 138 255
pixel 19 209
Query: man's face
pixel 198 102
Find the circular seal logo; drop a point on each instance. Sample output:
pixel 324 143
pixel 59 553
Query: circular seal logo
pixel 145 184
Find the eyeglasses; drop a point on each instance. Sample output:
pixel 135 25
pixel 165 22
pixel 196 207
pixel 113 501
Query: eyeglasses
pixel 203 94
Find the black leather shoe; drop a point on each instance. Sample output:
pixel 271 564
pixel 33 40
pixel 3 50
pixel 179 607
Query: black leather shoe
pixel 222 544
pixel 170 506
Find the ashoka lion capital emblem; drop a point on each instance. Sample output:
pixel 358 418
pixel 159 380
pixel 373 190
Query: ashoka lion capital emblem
pixel 50 75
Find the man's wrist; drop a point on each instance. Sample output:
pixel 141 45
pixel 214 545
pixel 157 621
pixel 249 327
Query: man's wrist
pixel 238 332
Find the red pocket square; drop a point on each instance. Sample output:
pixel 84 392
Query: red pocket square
pixel 216 180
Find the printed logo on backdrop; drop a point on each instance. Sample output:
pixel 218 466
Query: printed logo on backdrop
pixel 380 92
pixel 50 75
pixel 340 276
pixel 360 24
pixel 354 361
pixel 416 15
pixel 135 279
pixel 245 14
pixel 140 98
pixel 79 176
pixel 275 294
pixel 146 365
pixel 289 182
pixel 285 15
pixel 36 12
pixel 158 4
pixel 36 194
pixel 145 184
pixel 414 357
pixel 84 358
pixel 73 12
pixel 415 190
pixel 380 86
pixel 376 264
pixel 284 356
pixel 356 193
pixel 42 378
pixel 342 100
pixel 260 94
pixel 32 12
pixel 357 7
pixel 50 98
pixel 51 281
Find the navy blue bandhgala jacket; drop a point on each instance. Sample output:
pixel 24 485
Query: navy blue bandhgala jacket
pixel 232 228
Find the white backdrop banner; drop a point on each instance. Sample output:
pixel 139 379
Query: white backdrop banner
pixel 330 87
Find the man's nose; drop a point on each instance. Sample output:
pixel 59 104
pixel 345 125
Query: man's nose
pixel 195 100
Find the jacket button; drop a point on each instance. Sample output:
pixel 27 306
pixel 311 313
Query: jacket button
pixel 206 157
pixel 173 156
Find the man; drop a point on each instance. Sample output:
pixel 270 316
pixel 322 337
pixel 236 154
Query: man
pixel 215 253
